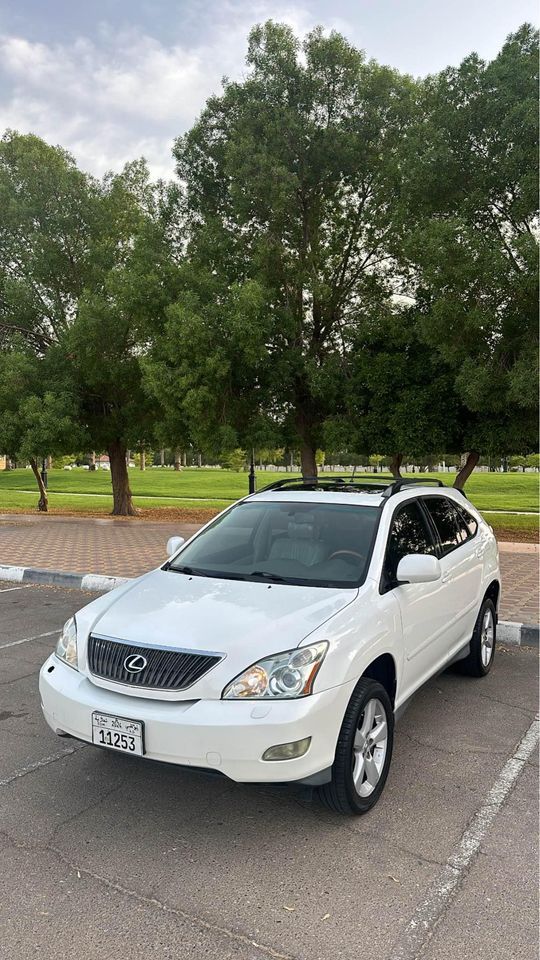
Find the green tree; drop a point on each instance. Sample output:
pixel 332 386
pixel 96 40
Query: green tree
pixel 38 415
pixel 84 267
pixel 234 460
pixel 105 343
pixel 292 188
pixel 470 182
pixel 399 396
pixel 375 460
pixel 518 462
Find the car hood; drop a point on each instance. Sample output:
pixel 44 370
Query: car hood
pixel 241 619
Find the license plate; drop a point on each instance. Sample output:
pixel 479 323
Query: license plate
pixel 117 733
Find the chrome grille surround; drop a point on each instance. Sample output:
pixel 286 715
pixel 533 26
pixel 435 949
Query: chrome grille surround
pixel 167 668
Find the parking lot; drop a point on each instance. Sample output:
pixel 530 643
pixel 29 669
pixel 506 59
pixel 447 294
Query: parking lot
pixel 105 856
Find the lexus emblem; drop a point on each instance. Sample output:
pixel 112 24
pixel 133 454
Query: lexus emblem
pixel 135 663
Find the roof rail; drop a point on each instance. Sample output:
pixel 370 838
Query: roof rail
pixel 330 483
pixel 386 485
pixel 398 485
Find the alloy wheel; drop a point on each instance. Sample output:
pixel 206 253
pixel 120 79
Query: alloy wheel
pixel 369 749
pixel 487 637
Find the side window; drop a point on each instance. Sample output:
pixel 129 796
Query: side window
pixel 445 518
pixel 409 534
pixel 467 524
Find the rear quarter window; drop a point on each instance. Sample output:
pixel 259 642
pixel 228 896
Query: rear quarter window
pixel 445 517
pixel 467 524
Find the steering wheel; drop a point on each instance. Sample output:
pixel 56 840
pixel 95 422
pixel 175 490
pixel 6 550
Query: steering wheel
pixel 346 553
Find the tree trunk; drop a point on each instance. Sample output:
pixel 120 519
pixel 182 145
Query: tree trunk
pixel 184 459
pixel 92 464
pixel 199 459
pixel 395 465
pixel 122 502
pixel 162 457
pixel 470 460
pixel 43 502
pixel 143 459
pixel 177 460
pixel 308 463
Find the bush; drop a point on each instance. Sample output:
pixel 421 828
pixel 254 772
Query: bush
pixel 234 460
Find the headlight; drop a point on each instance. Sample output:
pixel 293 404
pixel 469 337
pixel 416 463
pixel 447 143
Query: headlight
pixel 281 677
pixel 66 648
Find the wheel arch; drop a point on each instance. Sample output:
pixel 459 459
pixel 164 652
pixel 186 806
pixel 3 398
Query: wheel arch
pixel 493 593
pixel 383 670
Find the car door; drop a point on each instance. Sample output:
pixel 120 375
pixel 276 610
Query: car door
pixel 461 557
pixel 422 605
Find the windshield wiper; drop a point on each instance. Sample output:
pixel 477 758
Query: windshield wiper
pixel 268 576
pixel 190 571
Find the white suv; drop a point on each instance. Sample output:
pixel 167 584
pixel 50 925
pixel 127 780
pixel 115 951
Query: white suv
pixel 282 640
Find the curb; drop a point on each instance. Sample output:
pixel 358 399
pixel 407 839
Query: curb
pixel 518 634
pixel 94 582
pixel 510 633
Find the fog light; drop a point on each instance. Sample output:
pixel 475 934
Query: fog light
pixel 287 751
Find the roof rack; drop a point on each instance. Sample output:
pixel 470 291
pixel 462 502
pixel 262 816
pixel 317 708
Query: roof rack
pixel 387 485
pixel 329 483
pixel 398 485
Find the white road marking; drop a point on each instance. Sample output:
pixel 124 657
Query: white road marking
pixel 9 589
pixel 39 763
pixel 428 914
pixel 15 643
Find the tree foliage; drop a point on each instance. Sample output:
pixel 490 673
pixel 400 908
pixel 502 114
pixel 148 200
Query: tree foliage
pixel 82 274
pixel 472 247
pixel 293 198
pixel 347 261
pixel 39 415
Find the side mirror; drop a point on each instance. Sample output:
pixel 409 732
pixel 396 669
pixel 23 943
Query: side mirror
pixel 174 544
pixel 418 568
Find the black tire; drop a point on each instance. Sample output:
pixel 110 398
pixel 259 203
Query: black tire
pixel 475 665
pixel 341 794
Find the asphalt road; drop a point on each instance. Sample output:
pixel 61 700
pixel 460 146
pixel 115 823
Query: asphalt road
pixel 107 857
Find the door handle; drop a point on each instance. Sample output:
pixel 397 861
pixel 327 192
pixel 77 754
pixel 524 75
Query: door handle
pixel 446 577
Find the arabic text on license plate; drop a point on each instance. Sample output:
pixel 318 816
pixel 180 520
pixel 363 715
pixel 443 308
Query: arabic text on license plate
pixel 117 733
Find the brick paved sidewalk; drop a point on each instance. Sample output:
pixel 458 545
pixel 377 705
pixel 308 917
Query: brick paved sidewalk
pixel 127 548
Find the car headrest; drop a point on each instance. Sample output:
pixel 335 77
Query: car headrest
pixel 303 529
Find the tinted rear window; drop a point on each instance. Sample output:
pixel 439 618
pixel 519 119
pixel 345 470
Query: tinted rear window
pixel 444 516
pixel 466 522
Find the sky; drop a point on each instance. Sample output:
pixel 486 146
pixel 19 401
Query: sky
pixel 112 80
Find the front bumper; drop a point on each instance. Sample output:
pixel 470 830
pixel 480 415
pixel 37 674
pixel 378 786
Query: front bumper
pixel 225 735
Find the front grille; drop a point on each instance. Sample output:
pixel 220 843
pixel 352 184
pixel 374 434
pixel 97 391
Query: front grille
pixel 164 669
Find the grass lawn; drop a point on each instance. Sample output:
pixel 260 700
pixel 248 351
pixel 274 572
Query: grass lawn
pixel 509 526
pixel 201 492
pixel 488 491
pixel 84 503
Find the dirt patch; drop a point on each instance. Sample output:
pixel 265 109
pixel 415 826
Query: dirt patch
pixel 153 514
pixel 202 515
pixel 517 536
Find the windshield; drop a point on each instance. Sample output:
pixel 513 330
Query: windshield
pixel 326 545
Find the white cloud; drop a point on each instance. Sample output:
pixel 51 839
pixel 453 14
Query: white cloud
pixel 128 94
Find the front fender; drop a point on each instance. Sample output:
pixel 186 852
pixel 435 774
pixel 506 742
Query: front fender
pixel 366 629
